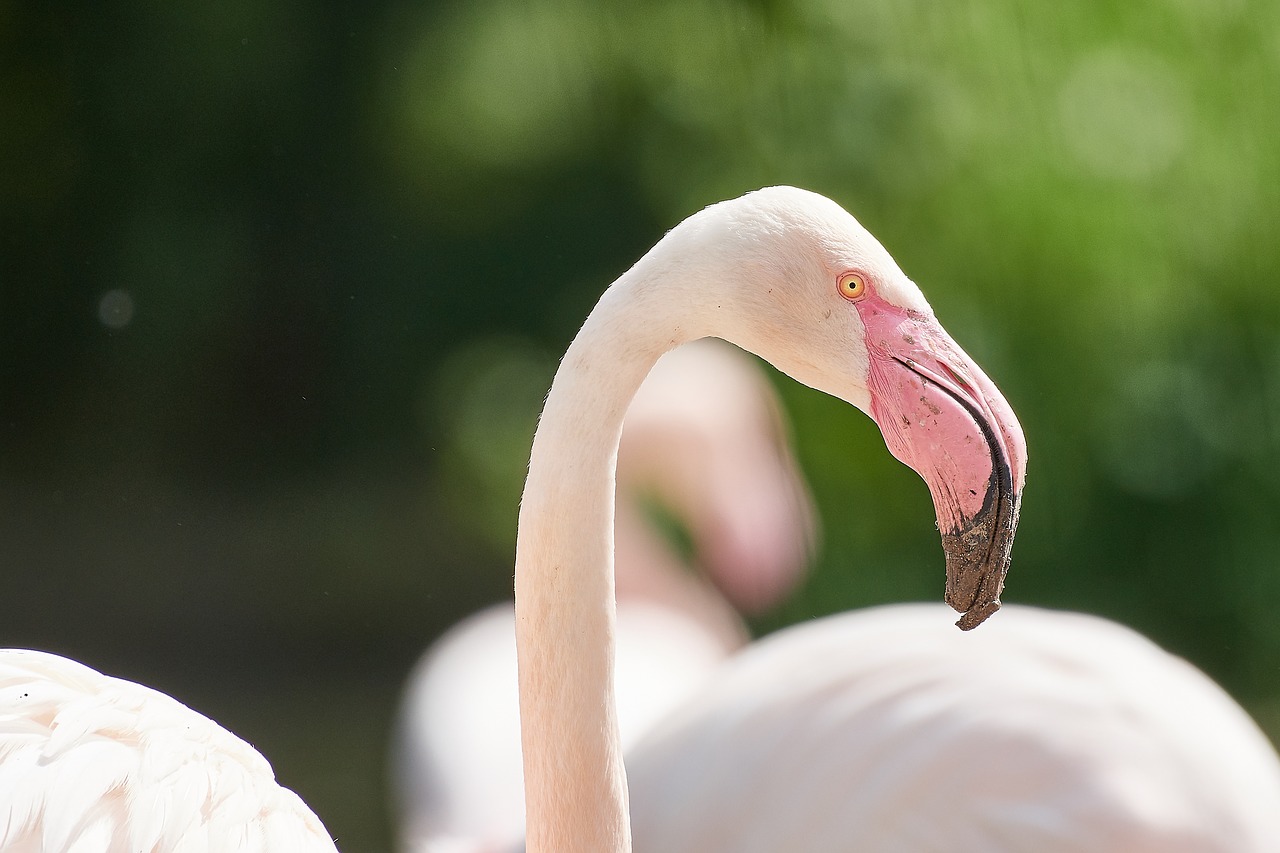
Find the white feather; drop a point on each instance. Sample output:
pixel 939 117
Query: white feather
pixel 94 763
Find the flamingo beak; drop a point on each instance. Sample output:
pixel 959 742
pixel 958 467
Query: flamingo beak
pixel 942 416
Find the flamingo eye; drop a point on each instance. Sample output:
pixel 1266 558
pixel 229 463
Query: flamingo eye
pixel 852 286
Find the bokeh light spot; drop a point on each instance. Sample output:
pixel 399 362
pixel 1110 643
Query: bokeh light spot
pixel 115 309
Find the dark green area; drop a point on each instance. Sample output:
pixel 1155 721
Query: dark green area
pixel 281 286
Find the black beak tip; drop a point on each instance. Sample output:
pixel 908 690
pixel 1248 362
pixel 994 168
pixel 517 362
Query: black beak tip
pixel 977 561
pixel 975 616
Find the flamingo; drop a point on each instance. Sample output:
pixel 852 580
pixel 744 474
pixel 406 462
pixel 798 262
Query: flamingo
pixel 791 276
pixel 90 763
pixel 782 272
pixel 881 730
pixel 704 435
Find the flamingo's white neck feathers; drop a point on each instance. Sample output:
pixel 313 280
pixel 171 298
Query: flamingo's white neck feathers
pixel 575 790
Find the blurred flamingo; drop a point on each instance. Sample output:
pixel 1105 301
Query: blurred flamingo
pixel 882 730
pixel 704 438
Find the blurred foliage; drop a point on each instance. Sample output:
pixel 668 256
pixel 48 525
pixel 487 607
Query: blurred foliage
pixel 282 284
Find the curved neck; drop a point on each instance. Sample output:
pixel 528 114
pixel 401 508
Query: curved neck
pixel 575 788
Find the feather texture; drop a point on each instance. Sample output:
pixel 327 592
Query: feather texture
pixel 94 763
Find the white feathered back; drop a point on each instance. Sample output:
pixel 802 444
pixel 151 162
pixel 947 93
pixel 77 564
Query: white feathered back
pixel 94 763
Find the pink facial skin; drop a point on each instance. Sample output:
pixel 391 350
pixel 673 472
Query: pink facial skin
pixel 943 417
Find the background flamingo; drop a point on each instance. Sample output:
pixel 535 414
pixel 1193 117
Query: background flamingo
pixel 883 730
pixel 703 436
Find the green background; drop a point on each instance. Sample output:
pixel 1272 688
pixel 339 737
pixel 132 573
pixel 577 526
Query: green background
pixel 281 285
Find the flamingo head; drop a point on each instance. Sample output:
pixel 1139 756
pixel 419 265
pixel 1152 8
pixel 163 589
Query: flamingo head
pixel 817 295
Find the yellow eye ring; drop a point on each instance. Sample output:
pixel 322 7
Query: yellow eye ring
pixel 851 286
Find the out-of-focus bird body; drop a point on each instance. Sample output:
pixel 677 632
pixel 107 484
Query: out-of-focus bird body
pixel 94 763
pixel 459 738
pixel 704 437
pixel 885 730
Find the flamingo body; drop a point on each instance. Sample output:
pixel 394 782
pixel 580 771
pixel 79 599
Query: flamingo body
pixel 94 763
pixel 884 730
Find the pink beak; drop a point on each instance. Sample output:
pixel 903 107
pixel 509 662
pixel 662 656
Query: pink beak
pixel 943 417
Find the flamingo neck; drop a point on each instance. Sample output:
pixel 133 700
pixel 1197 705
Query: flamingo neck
pixel 575 787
